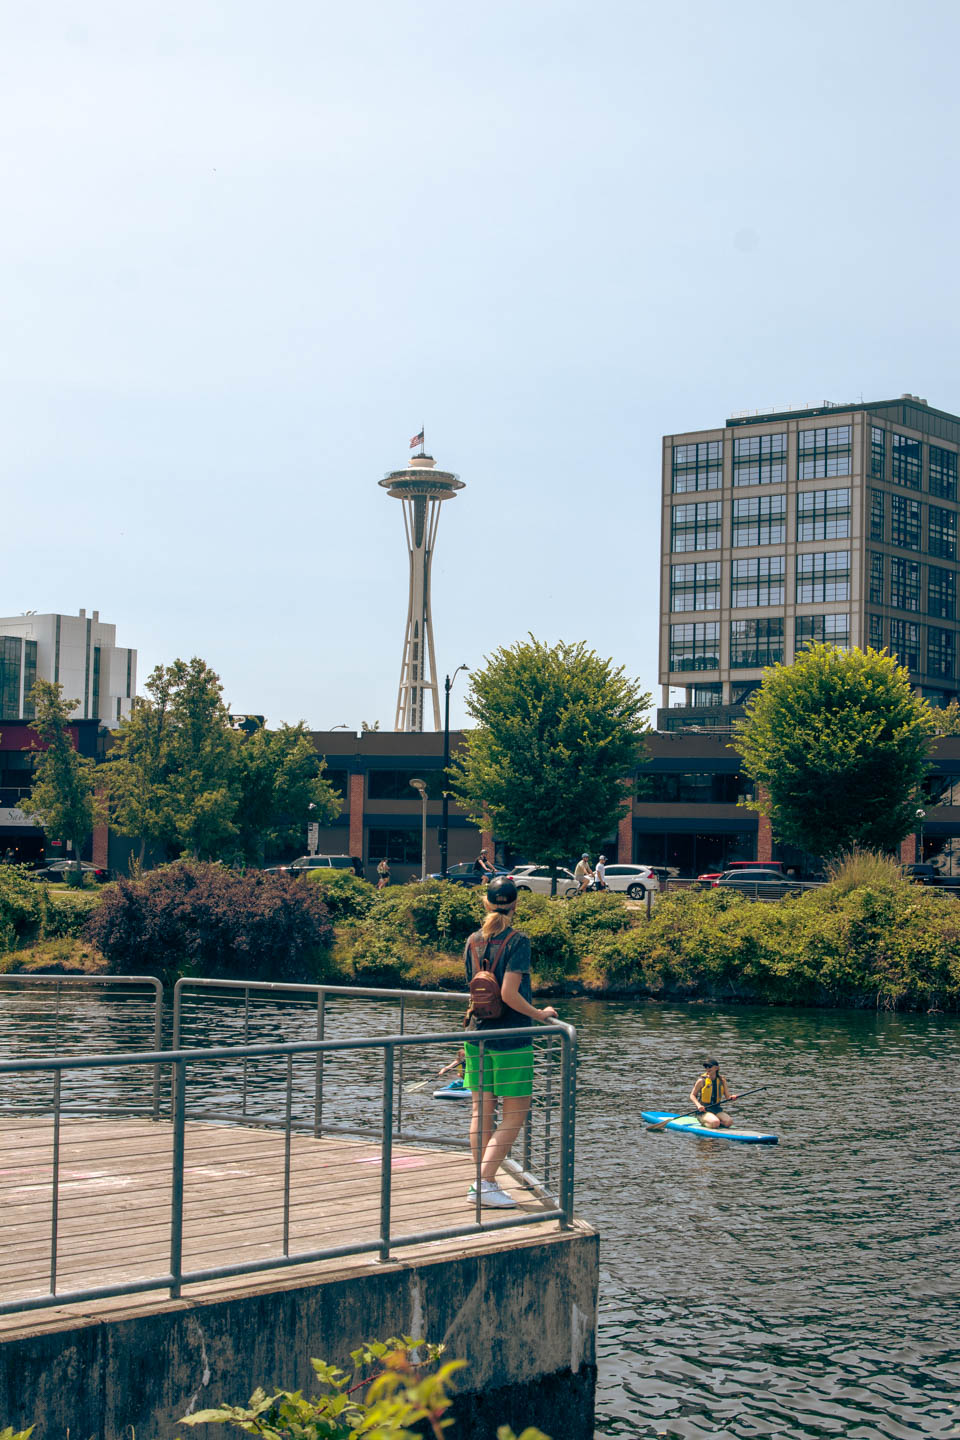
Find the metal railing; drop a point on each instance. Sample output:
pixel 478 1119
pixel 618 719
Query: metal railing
pixel 195 1194
pixel 752 889
pixel 107 1013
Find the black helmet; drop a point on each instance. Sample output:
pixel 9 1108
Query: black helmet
pixel 502 891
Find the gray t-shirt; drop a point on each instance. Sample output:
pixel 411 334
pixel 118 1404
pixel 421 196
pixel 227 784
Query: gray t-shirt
pixel 507 951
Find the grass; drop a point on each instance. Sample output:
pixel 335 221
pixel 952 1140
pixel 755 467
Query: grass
pixel 55 957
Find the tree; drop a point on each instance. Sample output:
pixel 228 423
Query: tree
pixel 839 742
pixel 64 798
pixel 172 771
pixel 280 787
pixel 559 732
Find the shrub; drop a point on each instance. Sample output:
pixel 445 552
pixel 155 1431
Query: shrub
pixel 202 919
pixel 346 896
pixel 596 914
pixel 67 919
pixel 546 922
pixel 864 867
pixel 23 907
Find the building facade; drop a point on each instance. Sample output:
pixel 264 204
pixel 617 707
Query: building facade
pixel 838 524
pixel 78 651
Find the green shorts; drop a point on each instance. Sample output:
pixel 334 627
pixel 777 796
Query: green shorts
pixel 505 1072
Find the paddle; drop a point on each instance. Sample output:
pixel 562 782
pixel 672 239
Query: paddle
pixel 420 1085
pixel 662 1124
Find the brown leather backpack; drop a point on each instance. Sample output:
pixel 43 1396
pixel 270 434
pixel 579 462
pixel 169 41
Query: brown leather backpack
pixel 486 1002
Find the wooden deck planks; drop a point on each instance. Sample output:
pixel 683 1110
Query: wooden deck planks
pixel 114 1206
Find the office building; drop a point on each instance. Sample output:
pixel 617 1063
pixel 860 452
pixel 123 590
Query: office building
pixel 79 651
pixel 836 523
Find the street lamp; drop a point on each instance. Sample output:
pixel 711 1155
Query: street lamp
pixel 447 687
pixel 339 727
pixel 421 786
pixel 921 816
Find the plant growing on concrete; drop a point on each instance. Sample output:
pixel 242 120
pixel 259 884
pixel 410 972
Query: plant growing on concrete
pixel 402 1394
pixel 64 798
pixel 557 730
pixel 839 741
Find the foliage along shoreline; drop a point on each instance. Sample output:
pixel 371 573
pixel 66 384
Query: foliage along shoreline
pixel 867 940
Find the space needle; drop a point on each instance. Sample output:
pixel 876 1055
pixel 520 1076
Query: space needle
pixel 422 488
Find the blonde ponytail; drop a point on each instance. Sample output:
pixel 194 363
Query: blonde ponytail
pixel 497 919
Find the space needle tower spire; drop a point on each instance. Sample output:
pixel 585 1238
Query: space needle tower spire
pixel 422 488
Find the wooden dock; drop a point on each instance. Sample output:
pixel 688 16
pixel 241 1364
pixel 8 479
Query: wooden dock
pixel 113 1220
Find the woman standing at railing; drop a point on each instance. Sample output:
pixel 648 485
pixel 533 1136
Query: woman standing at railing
pixel 507 1064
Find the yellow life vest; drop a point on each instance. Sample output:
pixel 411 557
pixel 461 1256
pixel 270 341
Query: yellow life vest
pixel 707 1096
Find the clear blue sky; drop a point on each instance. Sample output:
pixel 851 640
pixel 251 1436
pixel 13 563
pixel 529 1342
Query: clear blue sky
pixel 246 250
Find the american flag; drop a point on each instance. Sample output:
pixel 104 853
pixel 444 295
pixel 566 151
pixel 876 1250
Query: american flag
pixel 417 440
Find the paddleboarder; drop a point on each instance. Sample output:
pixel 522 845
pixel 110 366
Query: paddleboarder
pixel 708 1095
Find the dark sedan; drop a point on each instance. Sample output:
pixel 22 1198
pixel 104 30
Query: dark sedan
pixel 467 874
pixel 59 869
pixel 758 884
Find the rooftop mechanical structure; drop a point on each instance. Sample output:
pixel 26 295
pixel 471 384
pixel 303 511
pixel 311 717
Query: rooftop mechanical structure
pixel 422 488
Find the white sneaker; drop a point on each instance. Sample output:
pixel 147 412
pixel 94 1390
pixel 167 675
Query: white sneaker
pixel 491 1194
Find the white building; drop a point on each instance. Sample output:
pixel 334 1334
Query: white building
pixel 78 651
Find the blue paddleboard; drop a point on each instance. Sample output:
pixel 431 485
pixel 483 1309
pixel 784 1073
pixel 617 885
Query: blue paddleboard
pixel 456 1090
pixel 690 1125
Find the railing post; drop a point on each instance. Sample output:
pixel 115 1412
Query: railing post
pixel 246 1041
pixel 157 1044
pixel 318 1067
pixel 386 1152
pixel 55 1182
pixel 548 1120
pixel 400 1076
pixel 286 1158
pixel 179 1079
pixel 568 1118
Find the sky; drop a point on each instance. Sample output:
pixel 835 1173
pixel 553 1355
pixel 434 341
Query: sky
pixel 248 250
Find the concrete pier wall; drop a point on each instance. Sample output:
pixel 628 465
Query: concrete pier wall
pixel 522 1314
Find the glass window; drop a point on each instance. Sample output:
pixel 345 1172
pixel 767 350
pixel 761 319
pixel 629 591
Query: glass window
pixel 10 651
pixel 876 578
pixel 689 787
pixel 760 521
pixel 695 646
pixel 757 582
pixel 941 593
pixel 943 473
pixel 905 642
pixel 876 514
pixel 395 784
pixel 823 515
pixel 754 643
pixel 905 522
pixel 942 538
pixel 822 629
pixel 400 844
pixel 876 632
pixel 697 527
pixel 29 677
pixel 904 584
pixel 338 781
pixel 906 461
pixel 823 576
pixel 698 467
pixel 759 459
pixel 877 455
pixel 822 453
pixel 695 586
pixel 940 651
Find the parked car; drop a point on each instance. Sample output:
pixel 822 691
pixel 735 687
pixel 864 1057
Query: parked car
pixel 930 875
pixel 57 870
pixel 758 883
pixel 537 878
pixel 636 880
pixel 312 862
pixel 468 874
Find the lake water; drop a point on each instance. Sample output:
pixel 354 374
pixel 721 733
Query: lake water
pixel 804 1289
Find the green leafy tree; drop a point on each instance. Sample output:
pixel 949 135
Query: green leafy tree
pixel 946 719
pixel 839 743
pixel 559 731
pixel 64 797
pixel 280 787
pixel 172 776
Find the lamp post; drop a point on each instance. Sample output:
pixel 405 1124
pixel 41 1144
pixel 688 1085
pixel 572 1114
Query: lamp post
pixel 421 786
pixel 338 727
pixel 921 816
pixel 445 809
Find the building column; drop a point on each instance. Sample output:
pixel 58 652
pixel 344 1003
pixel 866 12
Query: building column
pixel 356 816
pixel 764 832
pixel 100 845
pixel 625 839
pixel 908 851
